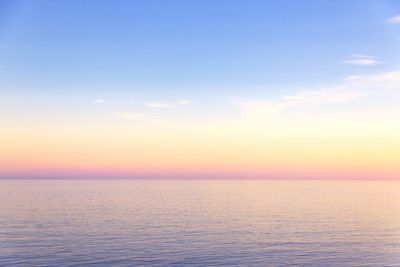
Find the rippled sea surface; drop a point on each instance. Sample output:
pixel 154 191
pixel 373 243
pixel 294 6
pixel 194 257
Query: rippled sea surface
pixel 199 223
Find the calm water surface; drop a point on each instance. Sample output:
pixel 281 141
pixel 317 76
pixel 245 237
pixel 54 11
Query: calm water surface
pixel 199 223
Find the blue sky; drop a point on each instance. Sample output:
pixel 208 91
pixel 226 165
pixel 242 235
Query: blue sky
pixel 244 88
pixel 185 46
pixel 72 52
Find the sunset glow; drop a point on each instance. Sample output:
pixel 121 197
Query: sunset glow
pixel 127 103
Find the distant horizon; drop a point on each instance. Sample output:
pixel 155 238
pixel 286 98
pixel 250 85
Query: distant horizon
pixel 210 178
pixel 347 179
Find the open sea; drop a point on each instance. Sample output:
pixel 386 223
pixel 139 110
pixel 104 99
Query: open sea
pixel 199 223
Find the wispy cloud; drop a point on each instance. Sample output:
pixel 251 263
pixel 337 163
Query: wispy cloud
pixel 184 102
pixel 105 101
pixel 131 116
pixel 319 97
pixel 352 88
pixel 158 105
pixel 393 20
pixel 386 80
pixel 99 101
pixel 302 99
pixel 362 60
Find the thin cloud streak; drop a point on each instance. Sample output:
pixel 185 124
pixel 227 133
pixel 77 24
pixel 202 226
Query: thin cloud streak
pixel 361 60
pixel 184 102
pixel 104 101
pixel 302 99
pixel 158 105
pixel 393 20
pixel 131 116
pixel 383 81
pixel 352 88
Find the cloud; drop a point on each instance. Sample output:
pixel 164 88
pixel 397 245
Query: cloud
pixel 319 97
pixel 158 105
pixel 131 116
pixel 393 20
pixel 361 60
pixel 257 107
pixel 154 104
pixel 99 101
pixel 184 102
pixel 168 105
pixel 386 80
pixel 104 101
pixel 352 88
pixel 302 99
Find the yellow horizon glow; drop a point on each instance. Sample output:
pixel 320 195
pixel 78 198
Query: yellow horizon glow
pixel 330 144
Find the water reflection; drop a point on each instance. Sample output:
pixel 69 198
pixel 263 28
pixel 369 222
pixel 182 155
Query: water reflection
pixel 198 223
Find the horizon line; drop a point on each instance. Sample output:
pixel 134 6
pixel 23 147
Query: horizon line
pixel 198 179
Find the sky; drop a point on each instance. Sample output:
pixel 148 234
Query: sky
pixel 200 89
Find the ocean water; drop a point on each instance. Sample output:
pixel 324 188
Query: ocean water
pixel 199 223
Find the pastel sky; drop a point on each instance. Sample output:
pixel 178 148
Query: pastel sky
pixel 200 89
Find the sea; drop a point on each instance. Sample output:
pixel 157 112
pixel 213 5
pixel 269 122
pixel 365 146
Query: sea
pixel 199 223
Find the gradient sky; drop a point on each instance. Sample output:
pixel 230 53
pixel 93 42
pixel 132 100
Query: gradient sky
pixel 200 89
